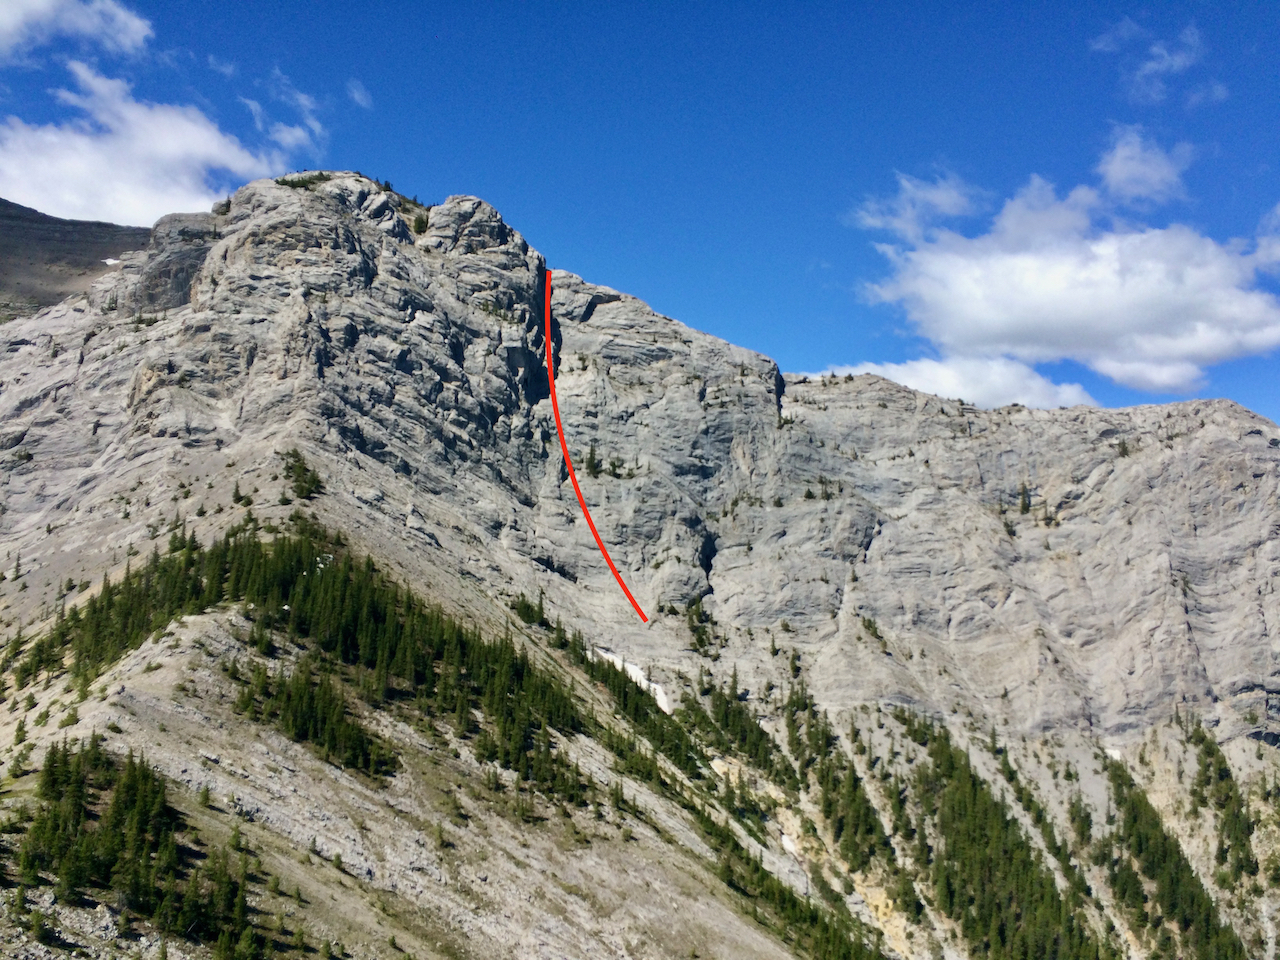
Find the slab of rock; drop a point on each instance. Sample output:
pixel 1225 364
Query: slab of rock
pixel 1084 567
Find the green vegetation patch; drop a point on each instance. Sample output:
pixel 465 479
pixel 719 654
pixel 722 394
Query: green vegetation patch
pixel 105 829
pixel 854 821
pixel 303 181
pixel 730 726
pixel 665 733
pixel 1181 897
pixel 1214 786
pixel 305 482
pixel 309 707
pixel 1027 800
pixel 985 873
pixel 812 930
pixel 398 649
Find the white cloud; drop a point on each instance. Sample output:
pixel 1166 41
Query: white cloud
pixel 359 94
pixel 26 23
pixel 309 133
pixel 255 110
pixel 1269 225
pixel 1145 306
pixel 984 381
pixel 1135 169
pixel 290 136
pixel 224 67
pixel 917 206
pixel 1215 91
pixel 124 160
pixel 1146 76
pixel 1147 83
pixel 1117 36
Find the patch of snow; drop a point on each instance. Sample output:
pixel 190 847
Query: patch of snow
pixel 637 674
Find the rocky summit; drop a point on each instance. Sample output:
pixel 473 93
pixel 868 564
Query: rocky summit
pixel 863 603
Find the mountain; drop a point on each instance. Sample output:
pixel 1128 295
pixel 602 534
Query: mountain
pixel 916 678
pixel 44 259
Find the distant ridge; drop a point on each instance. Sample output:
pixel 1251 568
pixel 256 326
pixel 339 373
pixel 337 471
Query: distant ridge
pixel 44 259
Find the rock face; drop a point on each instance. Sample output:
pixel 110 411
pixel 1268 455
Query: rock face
pixel 1070 574
pixel 1084 567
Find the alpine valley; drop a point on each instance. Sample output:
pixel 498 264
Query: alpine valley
pixel 307 650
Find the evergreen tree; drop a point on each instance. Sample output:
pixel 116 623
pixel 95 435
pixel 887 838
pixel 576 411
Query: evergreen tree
pixel 106 827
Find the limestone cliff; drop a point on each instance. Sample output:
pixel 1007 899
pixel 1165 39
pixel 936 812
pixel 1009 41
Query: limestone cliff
pixel 1136 573
pixel 1067 574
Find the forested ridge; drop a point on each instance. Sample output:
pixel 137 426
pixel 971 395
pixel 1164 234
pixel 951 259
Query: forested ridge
pixel 360 630
pixel 984 871
pixel 331 637
pixel 1141 838
pixel 1215 786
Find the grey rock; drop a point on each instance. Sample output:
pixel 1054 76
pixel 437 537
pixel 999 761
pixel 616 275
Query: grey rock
pixel 410 371
pixel 851 534
pixel 162 279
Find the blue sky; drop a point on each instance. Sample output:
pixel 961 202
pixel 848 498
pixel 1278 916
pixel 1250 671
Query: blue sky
pixel 1050 204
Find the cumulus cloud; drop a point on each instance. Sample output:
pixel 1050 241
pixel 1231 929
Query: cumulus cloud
pixel 359 95
pixel 1136 169
pixel 1056 278
pixel 122 159
pixel 26 23
pixel 918 205
pixel 984 381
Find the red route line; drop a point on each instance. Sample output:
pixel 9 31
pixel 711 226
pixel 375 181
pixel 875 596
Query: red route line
pixel 564 448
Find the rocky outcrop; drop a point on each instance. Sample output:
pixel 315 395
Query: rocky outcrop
pixel 1083 567
pixel 1063 580
pixel 162 277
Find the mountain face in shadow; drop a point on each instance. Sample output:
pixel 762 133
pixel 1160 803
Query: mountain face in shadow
pixel 44 259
